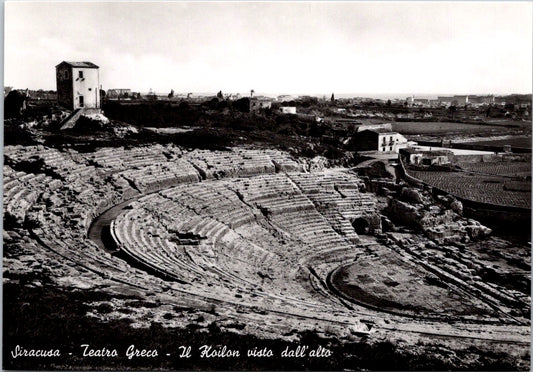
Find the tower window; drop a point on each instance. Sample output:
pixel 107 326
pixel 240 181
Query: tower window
pixel 80 74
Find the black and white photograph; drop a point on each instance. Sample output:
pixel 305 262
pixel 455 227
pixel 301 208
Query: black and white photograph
pixel 267 185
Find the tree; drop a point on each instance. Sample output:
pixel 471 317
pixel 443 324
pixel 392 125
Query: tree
pixel 487 113
pixel 171 94
pixel 14 103
pixel 252 93
pixel 220 95
pixel 242 104
pixel 332 97
pixel 452 109
pixel 212 104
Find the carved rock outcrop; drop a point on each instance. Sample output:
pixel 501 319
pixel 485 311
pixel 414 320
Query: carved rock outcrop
pixel 441 223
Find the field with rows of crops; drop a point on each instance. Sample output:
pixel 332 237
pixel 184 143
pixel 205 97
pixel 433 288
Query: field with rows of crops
pixel 485 189
pixel 512 169
pixel 520 142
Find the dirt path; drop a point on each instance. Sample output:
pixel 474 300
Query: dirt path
pixel 101 222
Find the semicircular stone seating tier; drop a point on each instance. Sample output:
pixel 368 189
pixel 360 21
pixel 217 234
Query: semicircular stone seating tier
pixel 252 234
pixel 65 190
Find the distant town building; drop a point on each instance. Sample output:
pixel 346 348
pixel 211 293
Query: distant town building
pixel 257 104
pixel 481 100
pixel 78 85
pixel 285 98
pixel 466 100
pixel 460 100
pixel 500 100
pixel 447 100
pixel 41 96
pixel 116 94
pixel 421 102
pixel 288 109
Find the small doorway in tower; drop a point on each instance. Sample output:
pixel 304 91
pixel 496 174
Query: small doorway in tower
pixel 81 101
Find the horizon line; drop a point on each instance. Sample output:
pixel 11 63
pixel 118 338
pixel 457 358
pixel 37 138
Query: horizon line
pixel 312 94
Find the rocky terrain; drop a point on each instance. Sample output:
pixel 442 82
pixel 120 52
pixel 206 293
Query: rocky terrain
pixel 252 246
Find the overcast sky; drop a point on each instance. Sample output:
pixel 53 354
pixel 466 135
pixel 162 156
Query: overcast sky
pixel 298 47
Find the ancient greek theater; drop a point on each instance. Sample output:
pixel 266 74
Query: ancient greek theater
pixel 267 185
pixel 258 243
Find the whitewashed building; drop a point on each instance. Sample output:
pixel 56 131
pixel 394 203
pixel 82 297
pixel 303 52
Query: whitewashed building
pixel 380 140
pixel 287 109
pixel 78 85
